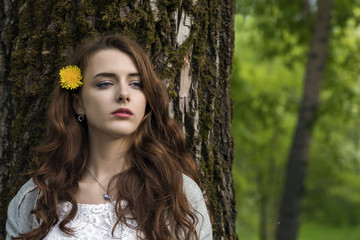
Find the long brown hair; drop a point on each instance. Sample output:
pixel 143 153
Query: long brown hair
pixel 152 187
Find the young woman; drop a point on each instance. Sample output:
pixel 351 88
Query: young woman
pixel 114 164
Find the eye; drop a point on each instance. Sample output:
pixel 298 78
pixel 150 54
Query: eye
pixel 136 84
pixel 104 84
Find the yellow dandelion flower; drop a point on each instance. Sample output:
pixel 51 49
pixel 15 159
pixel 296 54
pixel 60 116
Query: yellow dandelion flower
pixel 70 77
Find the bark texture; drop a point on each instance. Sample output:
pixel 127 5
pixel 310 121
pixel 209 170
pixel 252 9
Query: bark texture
pixel 191 45
pixel 296 169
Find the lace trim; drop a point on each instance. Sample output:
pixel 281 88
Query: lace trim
pixel 92 222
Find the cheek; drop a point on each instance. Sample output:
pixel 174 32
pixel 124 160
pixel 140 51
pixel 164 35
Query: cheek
pixel 94 103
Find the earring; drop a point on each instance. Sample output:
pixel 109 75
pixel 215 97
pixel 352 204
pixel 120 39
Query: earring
pixel 81 117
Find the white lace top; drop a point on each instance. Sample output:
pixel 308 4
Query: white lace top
pixel 92 222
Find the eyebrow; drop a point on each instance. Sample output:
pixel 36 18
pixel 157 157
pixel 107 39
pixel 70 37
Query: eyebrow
pixel 112 75
pixel 134 74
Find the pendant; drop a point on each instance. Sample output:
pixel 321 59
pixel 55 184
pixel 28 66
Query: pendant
pixel 107 197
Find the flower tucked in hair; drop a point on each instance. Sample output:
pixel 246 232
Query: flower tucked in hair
pixel 70 77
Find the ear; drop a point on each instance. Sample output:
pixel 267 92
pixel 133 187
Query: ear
pixel 76 104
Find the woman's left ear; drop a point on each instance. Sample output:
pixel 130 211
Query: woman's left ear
pixel 76 104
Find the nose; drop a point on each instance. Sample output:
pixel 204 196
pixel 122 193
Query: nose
pixel 122 93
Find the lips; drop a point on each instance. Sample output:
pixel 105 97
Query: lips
pixel 122 113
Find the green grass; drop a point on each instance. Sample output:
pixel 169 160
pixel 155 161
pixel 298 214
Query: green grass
pixel 313 231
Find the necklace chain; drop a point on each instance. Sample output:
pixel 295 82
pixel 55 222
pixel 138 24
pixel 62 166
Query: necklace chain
pixel 106 196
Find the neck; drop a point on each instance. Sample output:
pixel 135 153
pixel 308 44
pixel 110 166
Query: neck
pixel 107 157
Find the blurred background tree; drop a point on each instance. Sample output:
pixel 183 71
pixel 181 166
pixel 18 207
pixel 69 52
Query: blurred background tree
pixel 271 48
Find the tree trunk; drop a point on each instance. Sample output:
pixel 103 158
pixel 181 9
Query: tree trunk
pixel 296 169
pixel 263 230
pixel 191 45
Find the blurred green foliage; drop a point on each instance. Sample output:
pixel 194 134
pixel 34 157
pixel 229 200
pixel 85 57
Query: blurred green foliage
pixel 271 45
pixel 315 231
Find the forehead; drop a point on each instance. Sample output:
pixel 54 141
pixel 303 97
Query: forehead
pixel 110 60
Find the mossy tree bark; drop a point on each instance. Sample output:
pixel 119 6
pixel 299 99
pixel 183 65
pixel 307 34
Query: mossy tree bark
pixel 191 44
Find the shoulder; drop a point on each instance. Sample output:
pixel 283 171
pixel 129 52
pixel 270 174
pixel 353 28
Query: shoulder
pixel 20 219
pixel 28 188
pixel 192 190
pixel 28 193
pixel 197 202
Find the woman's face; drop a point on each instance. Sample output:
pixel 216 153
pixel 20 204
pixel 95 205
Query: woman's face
pixel 112 97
